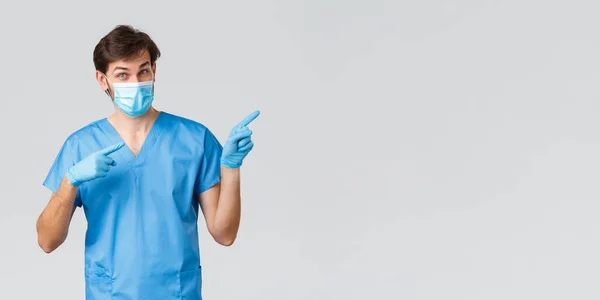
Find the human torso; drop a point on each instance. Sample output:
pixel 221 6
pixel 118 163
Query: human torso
pixel 142 237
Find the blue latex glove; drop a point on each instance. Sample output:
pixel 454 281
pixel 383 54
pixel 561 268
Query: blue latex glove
pixel 238 143
pixel 93 166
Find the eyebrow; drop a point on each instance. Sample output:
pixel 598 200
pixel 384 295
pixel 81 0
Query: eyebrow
pixel 125 68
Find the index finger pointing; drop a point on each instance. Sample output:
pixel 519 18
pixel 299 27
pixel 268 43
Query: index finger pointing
pixel 110 149
pixel 249 119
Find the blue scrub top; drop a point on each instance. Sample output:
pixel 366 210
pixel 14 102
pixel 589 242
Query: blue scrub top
pixel 142 235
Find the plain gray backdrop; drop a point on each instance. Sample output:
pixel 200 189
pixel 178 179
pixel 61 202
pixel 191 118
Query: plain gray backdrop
pixel 405 150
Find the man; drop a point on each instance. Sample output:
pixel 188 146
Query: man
pixel 141 176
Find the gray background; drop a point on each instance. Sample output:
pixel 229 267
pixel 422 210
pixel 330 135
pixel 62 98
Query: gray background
pixel 405 150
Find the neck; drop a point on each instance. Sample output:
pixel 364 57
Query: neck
pixel 126 124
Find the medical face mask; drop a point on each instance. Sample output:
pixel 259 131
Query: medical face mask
pixel 133 98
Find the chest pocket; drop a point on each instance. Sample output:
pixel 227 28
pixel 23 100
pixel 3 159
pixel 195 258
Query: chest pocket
pixel 168 181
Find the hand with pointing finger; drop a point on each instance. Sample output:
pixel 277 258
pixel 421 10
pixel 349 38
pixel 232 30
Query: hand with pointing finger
pixel 238 143
pixel 93 166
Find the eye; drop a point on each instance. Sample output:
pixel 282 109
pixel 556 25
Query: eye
pixel 145 73
pixel 122 76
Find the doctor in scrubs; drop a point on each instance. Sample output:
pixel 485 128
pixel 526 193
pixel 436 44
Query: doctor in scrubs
pixel 142 176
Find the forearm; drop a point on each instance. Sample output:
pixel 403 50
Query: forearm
pixel 53 224
pixel 227 217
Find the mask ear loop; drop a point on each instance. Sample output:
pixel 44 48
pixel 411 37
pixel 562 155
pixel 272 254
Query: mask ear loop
pixel 108 85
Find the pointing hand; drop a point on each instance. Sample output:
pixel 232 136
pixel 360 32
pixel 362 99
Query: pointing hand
pixel 238 143
pixel 93 166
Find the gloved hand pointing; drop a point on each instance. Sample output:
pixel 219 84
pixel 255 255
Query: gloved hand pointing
pixel 238 143
pixel 93 166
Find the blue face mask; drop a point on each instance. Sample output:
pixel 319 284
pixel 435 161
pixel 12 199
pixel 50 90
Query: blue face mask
pixel 133 98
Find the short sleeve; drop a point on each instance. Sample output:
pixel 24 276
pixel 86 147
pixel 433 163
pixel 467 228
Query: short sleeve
pixel 210 165
pixel 63 161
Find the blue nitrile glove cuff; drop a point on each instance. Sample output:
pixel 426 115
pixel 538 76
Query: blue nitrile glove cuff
pixel 230 165
pixel 71 177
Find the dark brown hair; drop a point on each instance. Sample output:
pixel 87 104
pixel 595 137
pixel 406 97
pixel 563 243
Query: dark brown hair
pixel 123 42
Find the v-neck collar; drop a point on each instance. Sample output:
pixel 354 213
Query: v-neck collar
pixel 147 145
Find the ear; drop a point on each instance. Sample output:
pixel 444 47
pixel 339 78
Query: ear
pixel 101 80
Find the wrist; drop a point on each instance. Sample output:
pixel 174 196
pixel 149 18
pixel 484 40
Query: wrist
pixel 230 175
pixel 71 178
pixel 66 192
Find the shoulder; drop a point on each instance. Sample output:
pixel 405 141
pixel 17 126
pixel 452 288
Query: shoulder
pixel 179 122
pixel 84 132
pixel 183 127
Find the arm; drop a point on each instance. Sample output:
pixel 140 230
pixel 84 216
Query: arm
pixel 221 206
pixel 63 179
pixel 53 223
pixel 221 203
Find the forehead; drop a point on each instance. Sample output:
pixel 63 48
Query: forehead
pixel 131 63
